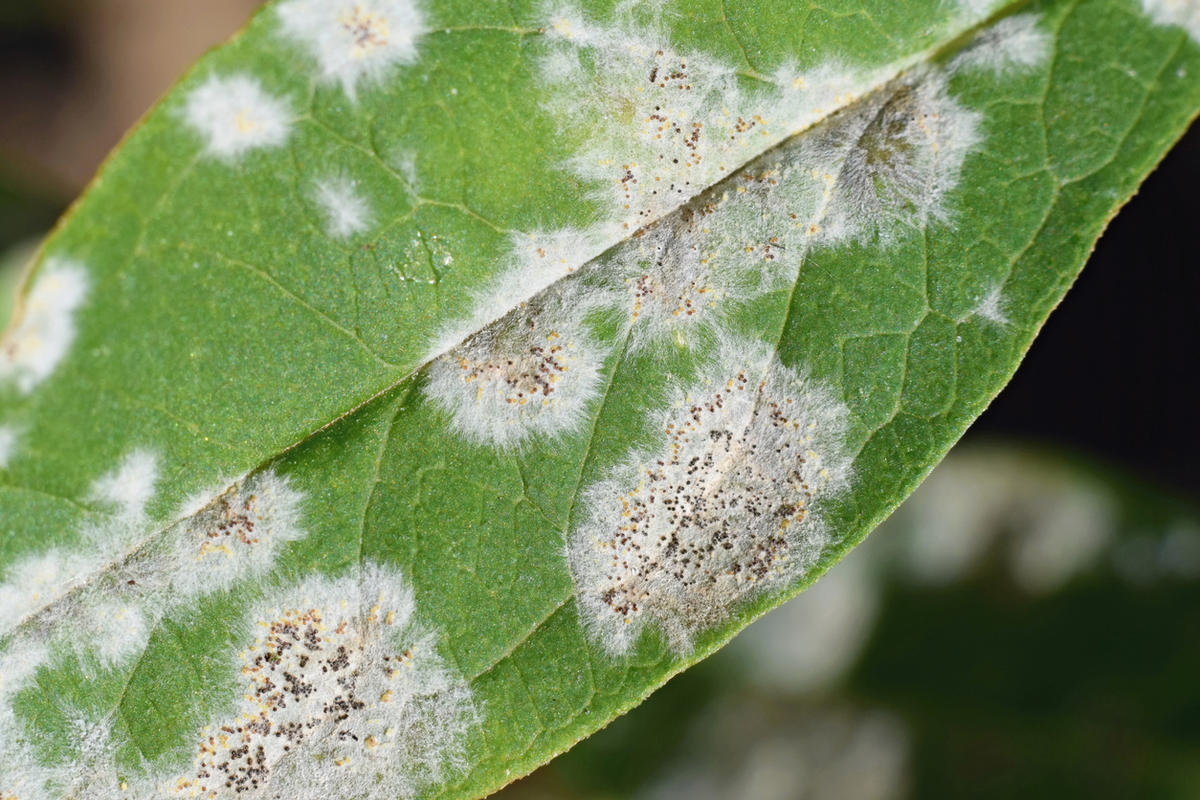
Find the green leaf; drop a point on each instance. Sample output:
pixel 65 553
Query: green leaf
pixel 420 386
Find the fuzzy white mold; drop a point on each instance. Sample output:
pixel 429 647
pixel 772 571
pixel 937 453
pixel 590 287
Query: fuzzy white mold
pixel 230 537
pixel 342 694
pixel 1011 45
pixel 346 210
pixel 976 9
pixel 991 307
pixel 876 169
pixel 536 262
pixel 44 327
pixel 659 125
pixel 1184 13
pixel 130 487
pixel 891 161
pixel 679 534
pixel 38 580
pixel 234 114
pixel 115 630
pixel 678 278
pixel 534 373
pixel 22 777
pixel 354 40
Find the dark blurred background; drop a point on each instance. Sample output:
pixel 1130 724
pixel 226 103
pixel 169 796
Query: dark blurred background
pixel 1026 626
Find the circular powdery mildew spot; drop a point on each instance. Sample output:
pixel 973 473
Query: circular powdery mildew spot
pixel 233 536
pixel 44 329
pixel 341 693
pixel 354 40
pixel 678 535
pixel 235 114
pixel 1184 13
pixel 532 373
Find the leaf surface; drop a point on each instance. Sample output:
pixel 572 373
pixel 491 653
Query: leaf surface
pixel 420 386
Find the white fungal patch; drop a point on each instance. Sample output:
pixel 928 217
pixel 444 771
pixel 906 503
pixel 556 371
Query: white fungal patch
pixel 44 326
pixel 235 114
pixel 890 161
pixel 678 278
pixel 354 40
pixel 1011 45
pixel 341 694
pixel 659 125
pixel 533 373
pixel 1184 13
pixel 113 630
pixel 21 778
pixel 991 307
pixel 345 209
pixel 977 9
pixel 885 165
pixel 724 507
pixel 131 485
pixel 37 580
pixel 234 536
pixel 537 261
pixel 8 445
pixel 672 286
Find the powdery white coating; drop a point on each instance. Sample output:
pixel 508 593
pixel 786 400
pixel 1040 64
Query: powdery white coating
pixel 354 40
pixel 662 129
pixel 976 9
pixel 537 261
pixel 342 694
pixel 86 766
pixel 1011 45
pixel 533 373
pixel 235 114
pixel 113 630
pixel 678 278
pixel 345 209
pixel 725 506
pixel 991 307
pixel 1184 13
pixel 659 125
pixel 38 580
pixel 8 444
pixel 131 485
pixel 234 536
pixel 104 596
pixel 20 778
pixel 891 160
pixel 44 327
pixel 882 166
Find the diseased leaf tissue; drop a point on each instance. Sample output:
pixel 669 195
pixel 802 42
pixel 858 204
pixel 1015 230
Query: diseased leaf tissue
pixel 757 295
